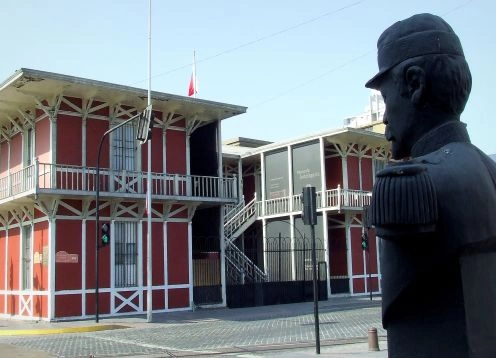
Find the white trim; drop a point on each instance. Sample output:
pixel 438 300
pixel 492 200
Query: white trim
pixel 293 246
pixel 51 269
pixel 6 272
pixel 323 186
pixel 166 264
pixel 112 264
pixel 223 281
pixel 140 264
pixel 290 176
pixel 327 252
pixel 83 264
pixel 349 256
pixel 190 262
pixel 344 168
pixel 262 182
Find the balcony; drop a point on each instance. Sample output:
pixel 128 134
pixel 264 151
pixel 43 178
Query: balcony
pixel 334 200
pixel 74 181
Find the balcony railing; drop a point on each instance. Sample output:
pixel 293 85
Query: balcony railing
pixel 333 199
pixel 44 178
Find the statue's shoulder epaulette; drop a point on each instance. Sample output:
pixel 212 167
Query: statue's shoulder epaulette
pixel 404 195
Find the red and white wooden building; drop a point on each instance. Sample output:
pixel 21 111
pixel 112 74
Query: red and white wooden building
pixel 50 128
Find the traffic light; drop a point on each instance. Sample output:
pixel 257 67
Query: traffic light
pixel 308 197
pixel 145 125
pixel 105 235
pixel 365 241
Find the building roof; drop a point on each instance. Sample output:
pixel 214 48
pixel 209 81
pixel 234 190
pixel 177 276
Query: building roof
pixel 19 91
pixel 339 136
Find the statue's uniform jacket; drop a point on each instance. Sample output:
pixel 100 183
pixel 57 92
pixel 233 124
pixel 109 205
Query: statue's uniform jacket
pixel 436 214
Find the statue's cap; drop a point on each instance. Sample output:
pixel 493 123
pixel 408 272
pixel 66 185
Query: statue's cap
pixel 419 35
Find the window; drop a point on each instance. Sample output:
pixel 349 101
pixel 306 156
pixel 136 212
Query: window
pixel 27 254
pixel 124 148
pixel 126 254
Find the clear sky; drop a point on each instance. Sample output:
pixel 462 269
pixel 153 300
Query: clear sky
pixel 299 66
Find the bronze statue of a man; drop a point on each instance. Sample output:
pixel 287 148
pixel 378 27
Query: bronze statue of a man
pixel 435 206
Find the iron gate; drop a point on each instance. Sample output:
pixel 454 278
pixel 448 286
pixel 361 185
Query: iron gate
pixel 287 263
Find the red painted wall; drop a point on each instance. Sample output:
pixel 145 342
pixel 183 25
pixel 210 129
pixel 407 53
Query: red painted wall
pixel 157 145
pixel 68 239
pixel 94 131
pixel 40 270
pixel 334 172
pixel 16 152
pixel 353 173
pixel 177 253
pixel 68 305
pixel 4 158
pixel 356 251
pixel 367 177
pixel 178 298
pixel 69 140
pixel 13 259
pixel 337 252
pixel 3 263
pixel 3 266
pixel 249 187
pixel 42 141
pixel 176 151
pixel 158 253
pixel 358 285
pixel 90 254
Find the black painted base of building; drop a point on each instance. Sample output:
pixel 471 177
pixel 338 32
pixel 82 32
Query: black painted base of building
pixel 273 293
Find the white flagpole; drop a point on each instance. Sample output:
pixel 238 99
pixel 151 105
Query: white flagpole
pixel 194 75
pixel 149 302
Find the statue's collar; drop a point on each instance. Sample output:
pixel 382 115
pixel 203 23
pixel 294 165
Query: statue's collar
pixel 449 132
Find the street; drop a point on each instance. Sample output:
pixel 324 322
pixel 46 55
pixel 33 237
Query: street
pixel 245 332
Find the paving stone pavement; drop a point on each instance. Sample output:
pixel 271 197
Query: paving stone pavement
pixel 260 330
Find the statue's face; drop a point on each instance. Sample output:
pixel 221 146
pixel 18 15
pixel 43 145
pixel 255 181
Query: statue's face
pixel 398 118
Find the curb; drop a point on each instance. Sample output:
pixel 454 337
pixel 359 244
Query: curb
pixel 45 331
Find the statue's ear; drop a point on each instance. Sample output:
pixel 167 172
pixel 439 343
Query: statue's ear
pixel 415 80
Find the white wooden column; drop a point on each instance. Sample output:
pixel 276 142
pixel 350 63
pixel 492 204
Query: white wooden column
pixel 290 177
pixel 190 262
pixel 327 252
pixel 349 257
pixel 293 246
pixel 323 187
pixel 222 257
pixel 6 271
pixel 166 264
pixel 51 270
pixel 262 189
pixel 83 266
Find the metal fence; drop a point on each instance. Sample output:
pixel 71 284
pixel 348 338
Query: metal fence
pixel 287 262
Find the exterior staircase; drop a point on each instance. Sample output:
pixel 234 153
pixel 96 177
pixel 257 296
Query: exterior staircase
pixel 240 268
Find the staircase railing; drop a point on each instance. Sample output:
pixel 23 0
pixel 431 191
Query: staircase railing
pixel 237 220
pixel 242 264
pixel 239 266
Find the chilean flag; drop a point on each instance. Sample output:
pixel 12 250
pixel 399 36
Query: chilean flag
pixel 193 88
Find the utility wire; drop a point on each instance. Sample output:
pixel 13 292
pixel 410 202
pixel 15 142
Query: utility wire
pixel 318 77
pixel 260 39
pixel 343 65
